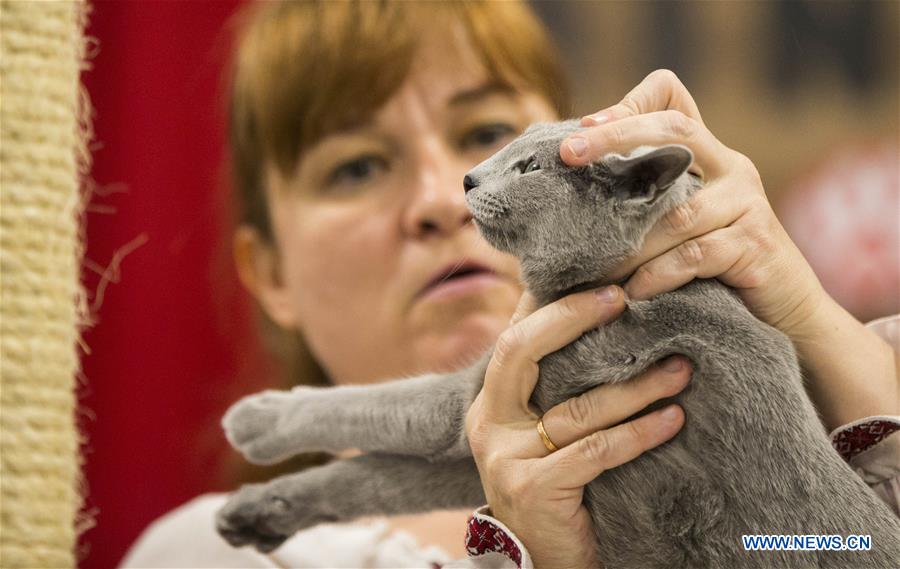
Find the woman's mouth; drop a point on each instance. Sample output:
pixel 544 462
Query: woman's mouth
pixel 459 279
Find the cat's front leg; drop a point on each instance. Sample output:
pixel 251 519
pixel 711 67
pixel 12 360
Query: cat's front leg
pixel 265 515
pixel 421 416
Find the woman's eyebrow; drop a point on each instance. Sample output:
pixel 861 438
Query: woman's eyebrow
pixel 357 128
pixel 458 99
pixel 468 96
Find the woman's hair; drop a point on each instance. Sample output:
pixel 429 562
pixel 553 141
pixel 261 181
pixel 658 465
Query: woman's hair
pixel 306 68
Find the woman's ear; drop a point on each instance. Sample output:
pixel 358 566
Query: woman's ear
pixel 259 269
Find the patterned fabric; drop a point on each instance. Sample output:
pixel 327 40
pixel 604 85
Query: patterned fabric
pixel 852 439
pixel 486 535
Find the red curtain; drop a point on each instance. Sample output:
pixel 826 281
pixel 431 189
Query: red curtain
pixel 173 342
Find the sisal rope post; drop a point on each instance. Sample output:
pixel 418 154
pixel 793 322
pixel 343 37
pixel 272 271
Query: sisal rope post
pixel 42 157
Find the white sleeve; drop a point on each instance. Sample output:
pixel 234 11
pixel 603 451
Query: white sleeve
pixel 186 537
pixel 871 445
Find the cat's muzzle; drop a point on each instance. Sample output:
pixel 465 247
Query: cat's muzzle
pixel 485 207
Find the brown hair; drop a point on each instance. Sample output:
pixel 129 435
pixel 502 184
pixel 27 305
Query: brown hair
pixel 303 69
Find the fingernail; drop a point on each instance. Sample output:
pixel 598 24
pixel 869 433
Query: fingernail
pixel 673 364
pixel 670 413
pixel 577 145
pixel 608 293
pixel 597 118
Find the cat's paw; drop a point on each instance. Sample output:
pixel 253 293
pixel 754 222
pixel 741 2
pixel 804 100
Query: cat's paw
pixel 255 428
pixel 263 516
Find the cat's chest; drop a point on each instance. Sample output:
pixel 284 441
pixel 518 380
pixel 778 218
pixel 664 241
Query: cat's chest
pixel 608 354
pixel 646 332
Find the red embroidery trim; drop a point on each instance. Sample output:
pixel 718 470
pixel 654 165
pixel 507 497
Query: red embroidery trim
pixel 858 438
pixel 483 537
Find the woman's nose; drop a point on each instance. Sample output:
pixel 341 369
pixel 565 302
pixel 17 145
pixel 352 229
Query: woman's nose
pixel 437 205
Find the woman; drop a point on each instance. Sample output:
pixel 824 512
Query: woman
pixel 350 139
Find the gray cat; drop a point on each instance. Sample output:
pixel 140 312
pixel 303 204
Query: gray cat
pixel 752 457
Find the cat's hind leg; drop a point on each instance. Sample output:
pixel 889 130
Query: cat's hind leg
pixel 265 515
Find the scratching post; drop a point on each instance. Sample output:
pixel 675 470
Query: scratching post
pixel 42 154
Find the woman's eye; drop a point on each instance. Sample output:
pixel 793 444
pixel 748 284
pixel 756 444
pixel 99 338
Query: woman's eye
pixel 488 136
pixel 358 170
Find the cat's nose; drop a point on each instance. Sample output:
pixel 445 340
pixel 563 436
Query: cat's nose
pixel 469 182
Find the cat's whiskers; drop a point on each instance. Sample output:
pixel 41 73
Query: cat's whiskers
pixel 451 272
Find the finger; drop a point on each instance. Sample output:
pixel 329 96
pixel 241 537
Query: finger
pixel 708 256
pixel 607 405
pixel 716 206
pixel 653 129
pixel 527 305
pixel 513 369
pixel 661 90
pixel 586 459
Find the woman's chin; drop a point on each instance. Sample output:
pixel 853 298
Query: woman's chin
pixel 448 349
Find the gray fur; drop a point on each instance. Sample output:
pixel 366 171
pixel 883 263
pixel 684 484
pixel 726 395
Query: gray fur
pixel 752 458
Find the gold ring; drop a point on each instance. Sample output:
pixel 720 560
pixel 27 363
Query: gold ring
pixel 544 437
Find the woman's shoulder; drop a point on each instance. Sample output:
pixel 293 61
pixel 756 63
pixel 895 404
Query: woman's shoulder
pixel 186 537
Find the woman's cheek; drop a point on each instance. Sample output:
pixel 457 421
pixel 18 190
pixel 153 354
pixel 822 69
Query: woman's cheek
pixel 341 280
pixel 340 249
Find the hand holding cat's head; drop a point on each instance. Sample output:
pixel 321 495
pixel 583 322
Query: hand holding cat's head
pixel 571 226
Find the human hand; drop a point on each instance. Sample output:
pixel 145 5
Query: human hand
pixel 726 231
pixel 538 494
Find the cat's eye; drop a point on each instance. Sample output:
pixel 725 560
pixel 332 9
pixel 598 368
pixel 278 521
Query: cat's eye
pixel 526 166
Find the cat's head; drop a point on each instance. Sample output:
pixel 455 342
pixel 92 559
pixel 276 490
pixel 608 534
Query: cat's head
pixel 572 225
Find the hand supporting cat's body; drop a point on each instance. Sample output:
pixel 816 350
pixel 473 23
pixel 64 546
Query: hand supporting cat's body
pixel 751 459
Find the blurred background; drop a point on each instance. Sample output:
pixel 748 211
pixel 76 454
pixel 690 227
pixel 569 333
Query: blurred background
pixel 808 90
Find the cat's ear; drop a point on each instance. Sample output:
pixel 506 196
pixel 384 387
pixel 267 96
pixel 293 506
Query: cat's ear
pixel 646 173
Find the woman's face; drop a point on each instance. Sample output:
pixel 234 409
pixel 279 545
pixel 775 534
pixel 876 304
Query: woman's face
pixel 374 219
